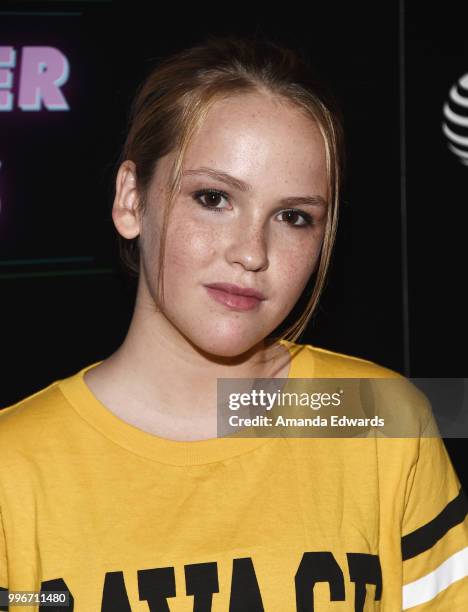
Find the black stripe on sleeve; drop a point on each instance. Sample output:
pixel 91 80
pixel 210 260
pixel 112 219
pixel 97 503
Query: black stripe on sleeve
pixel 4 599
pixel 425 537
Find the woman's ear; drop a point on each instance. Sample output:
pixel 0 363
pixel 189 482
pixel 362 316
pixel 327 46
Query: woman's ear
pixel 125 210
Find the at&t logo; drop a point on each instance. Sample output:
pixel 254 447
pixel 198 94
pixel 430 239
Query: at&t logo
pixel 455 126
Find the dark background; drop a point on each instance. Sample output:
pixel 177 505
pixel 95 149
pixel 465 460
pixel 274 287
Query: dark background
pixel 395 294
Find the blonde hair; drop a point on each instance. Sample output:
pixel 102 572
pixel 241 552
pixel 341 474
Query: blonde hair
pixel 173 101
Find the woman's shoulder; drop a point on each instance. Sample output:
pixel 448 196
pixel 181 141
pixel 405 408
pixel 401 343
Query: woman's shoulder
pixel 29 406
pixel 34 416
pixel 405 409
pixel 324 363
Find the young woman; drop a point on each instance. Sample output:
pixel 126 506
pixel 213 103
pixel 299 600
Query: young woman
pixel 115 489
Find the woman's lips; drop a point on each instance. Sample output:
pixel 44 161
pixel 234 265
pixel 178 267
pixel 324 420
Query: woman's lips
pixel 233 301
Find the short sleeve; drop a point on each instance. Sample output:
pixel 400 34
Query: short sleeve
pixel 434 541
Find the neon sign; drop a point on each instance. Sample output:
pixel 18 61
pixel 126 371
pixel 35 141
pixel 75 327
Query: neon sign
pixel 42 72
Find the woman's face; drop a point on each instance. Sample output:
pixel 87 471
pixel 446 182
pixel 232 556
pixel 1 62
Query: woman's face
pixel 258 158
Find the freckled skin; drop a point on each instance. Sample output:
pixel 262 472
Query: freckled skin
pixel 280 152
pixel 163 377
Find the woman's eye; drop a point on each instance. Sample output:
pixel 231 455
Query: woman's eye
pixel 211 198
pixel 292 214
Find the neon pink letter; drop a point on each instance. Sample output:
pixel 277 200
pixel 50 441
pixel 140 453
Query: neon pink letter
pixel 43 71
pixel 7 59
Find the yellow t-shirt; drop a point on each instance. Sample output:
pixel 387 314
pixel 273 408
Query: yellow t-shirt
pixel 123 520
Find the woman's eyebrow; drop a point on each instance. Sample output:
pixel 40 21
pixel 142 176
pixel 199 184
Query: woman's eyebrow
pixel 315 200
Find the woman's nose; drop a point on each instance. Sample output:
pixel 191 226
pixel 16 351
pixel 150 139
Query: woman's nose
pixel 248 247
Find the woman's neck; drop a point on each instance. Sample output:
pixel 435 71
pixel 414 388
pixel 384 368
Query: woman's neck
pixel 159 381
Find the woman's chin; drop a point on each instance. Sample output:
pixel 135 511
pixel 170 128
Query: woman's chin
pixel 229 346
